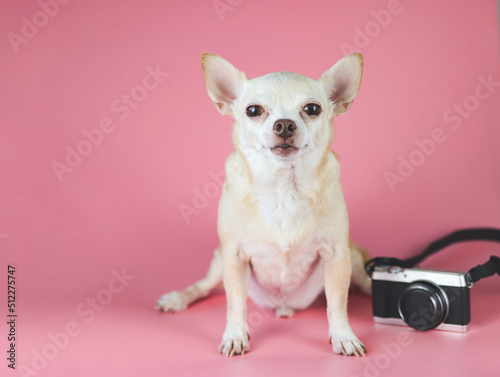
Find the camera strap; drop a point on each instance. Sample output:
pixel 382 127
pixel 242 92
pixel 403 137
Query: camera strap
pixel 475 274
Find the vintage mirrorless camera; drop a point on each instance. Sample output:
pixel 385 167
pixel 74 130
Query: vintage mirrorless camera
pixel 420 298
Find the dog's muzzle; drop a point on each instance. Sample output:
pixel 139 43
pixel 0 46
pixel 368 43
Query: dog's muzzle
pixel 284 128
pixel 284 150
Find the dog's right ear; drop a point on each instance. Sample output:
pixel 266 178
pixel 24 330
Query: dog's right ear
pixel 224 82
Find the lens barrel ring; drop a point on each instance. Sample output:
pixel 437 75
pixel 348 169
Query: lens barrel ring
pixel 423 305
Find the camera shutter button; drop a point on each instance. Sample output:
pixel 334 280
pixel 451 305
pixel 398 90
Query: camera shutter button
pixel 395 270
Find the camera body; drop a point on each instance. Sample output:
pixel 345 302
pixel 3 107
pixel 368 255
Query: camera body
pixel 422 299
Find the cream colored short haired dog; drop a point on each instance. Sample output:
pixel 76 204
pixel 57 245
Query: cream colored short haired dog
pixel 283 224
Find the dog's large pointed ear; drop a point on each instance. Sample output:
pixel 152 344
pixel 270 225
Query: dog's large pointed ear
pixel 341 82
pixel 224 82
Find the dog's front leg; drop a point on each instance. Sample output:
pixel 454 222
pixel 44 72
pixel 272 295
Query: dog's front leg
pixel 236 275
pixel 338 269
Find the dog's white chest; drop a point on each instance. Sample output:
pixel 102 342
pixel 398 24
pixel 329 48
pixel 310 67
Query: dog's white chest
pixel 289 216
pixel 285 207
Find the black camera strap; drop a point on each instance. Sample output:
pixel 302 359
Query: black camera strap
pixel 472 234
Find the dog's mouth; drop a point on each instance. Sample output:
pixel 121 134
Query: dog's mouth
pixel 284 150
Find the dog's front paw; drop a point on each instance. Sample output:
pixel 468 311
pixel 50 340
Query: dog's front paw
pixel 172 302
pixel 234 345
pixel 347 346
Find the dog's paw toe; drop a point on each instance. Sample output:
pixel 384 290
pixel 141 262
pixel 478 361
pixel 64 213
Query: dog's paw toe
pixel 172 302
pixel 235 345
pixel 348 347
pixel 284 312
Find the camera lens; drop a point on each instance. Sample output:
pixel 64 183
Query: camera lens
pixel 423 305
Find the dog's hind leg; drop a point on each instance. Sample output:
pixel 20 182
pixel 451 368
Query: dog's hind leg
pixel 179 300
pixel 359 277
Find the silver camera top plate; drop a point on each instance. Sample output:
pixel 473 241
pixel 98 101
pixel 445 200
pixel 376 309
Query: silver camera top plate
pixel 409 275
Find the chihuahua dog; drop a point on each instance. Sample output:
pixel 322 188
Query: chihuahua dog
pixel 282 221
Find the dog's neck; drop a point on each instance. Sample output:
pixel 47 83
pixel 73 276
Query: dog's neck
pixel 285 193
pixel 302 177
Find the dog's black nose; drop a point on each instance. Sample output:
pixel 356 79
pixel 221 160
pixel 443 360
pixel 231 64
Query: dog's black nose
pixel 284 128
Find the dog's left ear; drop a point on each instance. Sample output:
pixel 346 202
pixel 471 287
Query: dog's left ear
pixel 341 82
pixel 224 82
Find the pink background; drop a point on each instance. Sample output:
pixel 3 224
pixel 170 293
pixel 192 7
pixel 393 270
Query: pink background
pixel 119 207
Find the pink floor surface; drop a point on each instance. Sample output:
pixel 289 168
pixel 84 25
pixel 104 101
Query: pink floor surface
pixel 134 340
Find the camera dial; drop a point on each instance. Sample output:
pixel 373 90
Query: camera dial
pixel 423 305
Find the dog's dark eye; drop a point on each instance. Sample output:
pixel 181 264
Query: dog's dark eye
pixel 254 111
pixel 312 109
